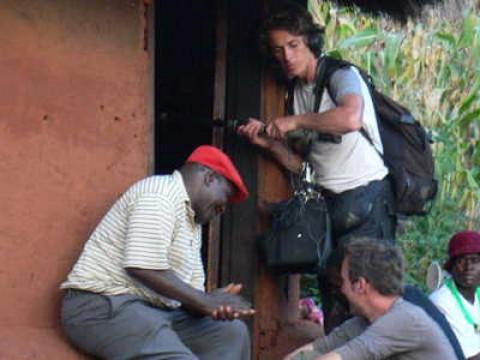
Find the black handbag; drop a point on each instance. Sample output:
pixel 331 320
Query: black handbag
pixel 299 240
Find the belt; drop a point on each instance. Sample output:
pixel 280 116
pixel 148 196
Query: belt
pixel 69 293
pixel 330 194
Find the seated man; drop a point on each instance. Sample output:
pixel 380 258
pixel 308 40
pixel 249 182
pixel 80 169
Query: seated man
pixel 385 326
pixel 137 290
pixel 459 298
pixel 410 294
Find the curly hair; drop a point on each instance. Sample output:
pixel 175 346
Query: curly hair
pixel 296 20
pixel 380 263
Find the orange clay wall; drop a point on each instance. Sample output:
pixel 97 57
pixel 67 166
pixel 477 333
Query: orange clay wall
pixel 74 133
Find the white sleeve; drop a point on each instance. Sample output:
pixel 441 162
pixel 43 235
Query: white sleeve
pixel 150 231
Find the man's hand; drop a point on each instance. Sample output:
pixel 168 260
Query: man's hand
pixel 307 353
pixel 253 130
pixel 261 134
pixel 231 288
pixel 230 304
pixel 296 353
pixel 220 304
pixel 279 127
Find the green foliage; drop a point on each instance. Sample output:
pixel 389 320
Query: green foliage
pixel 433 67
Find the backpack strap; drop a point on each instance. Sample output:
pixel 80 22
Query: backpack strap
pixel 327 65
pixel 333 65
pixel 289 99
pixel 369 139
pixel 325 68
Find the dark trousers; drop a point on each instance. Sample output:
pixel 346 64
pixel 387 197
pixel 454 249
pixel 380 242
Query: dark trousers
pixel 125 327
pixel 366 211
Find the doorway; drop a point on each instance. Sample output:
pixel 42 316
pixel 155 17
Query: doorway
pixel 207 66
pixel 184 80
pixel 189 94
pixel 199 46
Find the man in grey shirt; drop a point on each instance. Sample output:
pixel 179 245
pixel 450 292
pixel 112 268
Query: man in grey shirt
pixel 386 326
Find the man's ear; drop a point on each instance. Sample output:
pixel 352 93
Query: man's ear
pixel 361 285
pixel 208 177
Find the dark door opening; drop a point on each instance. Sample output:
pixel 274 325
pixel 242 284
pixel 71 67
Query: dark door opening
pixel 184 79
pixel 188 95
pixel 207 67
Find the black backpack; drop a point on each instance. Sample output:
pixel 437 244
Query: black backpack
pixel 406 145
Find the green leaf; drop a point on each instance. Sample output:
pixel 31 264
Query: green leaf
pixel 362 38
pixel 346 30
pixel 467 119
pixel 465 104
pixel 468 33
pixel 471 181
pixel 335 54
pixel 447 37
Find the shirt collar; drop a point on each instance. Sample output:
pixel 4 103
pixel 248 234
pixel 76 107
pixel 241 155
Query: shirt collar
pixel 184 196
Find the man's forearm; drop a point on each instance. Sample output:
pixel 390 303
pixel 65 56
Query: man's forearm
pixel 166 283
pixel 344 118
pixel 285 157
pixel 220 303
pixel 333 121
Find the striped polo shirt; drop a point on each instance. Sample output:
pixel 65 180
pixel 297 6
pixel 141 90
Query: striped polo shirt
pixel 152 227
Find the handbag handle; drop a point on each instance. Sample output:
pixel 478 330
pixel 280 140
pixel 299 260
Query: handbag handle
pixel 305 187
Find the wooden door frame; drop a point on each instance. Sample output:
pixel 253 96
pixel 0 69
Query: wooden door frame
pixel 218 133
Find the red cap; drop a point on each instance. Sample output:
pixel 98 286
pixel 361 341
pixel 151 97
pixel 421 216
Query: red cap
pixel 219 162
pixel 462 243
